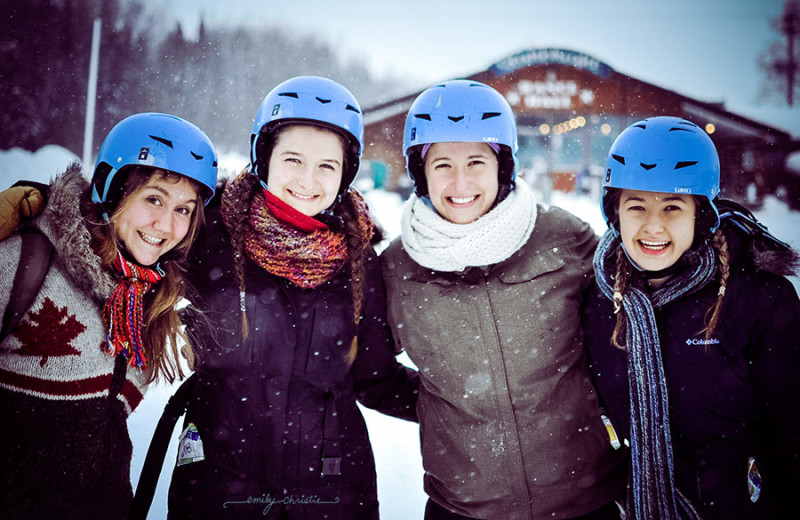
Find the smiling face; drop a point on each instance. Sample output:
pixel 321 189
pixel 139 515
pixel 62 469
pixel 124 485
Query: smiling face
pixel 153 219
pixel 462 180
pixel 305 168
pixel 656 228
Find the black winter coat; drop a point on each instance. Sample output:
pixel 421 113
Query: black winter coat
pixel 731 397
pixel 273 409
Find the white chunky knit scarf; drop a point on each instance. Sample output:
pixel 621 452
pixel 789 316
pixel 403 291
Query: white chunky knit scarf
pixel 441 245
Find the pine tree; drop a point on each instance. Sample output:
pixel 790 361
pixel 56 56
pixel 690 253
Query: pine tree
pixel 781 62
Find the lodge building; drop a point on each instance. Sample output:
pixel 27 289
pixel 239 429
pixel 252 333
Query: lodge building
pixel 570 107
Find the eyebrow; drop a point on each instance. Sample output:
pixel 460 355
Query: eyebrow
pixel 298 154
pixel 479 155
pixel 672 198
pixel 166 193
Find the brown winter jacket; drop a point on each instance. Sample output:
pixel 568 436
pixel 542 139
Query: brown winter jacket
pixel 510 423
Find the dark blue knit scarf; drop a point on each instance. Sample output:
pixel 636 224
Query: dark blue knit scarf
pixel 655 496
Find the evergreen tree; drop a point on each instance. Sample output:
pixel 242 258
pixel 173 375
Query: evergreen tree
pixel 217 81
pixel 781 63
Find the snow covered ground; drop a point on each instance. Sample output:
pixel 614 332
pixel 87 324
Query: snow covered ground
pixel 395 442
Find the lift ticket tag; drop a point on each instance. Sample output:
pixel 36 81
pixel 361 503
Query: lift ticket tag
pixel 190 448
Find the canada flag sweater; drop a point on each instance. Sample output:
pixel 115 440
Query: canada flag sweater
pixel 63 428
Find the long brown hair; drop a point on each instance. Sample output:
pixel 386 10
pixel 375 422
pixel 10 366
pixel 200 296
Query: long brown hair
pixel 162 324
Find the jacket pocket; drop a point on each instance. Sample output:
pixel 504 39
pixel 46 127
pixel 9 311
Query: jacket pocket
pixel 549 261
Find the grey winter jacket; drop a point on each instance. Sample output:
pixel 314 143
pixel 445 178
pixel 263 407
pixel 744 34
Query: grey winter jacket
pixel 510 423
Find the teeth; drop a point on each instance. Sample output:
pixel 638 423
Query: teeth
pixel 462 200
pixel 150 239
pixel 654 245
pixel 304 197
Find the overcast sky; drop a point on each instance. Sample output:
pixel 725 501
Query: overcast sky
pixel 707 49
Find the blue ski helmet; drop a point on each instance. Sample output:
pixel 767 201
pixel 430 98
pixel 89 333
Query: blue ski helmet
pixel 664 154
pixel 157 141
pixel 313 100
pixel 460 111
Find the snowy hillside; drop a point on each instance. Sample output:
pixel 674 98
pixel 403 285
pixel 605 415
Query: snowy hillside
pixel 395 442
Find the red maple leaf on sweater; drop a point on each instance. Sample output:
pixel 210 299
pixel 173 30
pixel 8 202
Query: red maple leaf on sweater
pixel 49 332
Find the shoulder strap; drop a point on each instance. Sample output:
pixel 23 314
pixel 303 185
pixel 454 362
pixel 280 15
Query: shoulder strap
pixel 34 262
pixel 157 452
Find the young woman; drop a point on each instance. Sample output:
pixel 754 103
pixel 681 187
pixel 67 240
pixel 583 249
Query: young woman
pixel 102 325
pixel 484 293
pixel 293 328
pixel 692 334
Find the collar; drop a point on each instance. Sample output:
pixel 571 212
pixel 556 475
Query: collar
pixel 289 215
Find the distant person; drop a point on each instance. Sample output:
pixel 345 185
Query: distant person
pixel 692 334
pixel 293 329
pixel 485 288
pixel 102 323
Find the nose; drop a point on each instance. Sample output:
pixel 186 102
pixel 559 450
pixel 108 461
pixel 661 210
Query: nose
pixel 654 223
pixel 460 180
pixel 306 178
pixel 164 223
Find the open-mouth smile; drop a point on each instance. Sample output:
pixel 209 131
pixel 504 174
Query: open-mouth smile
pixel 651 247
pixel 152 240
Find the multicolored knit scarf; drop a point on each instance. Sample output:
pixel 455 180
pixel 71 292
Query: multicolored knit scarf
pixel 655 495
pixel 307 259
pixel 123 314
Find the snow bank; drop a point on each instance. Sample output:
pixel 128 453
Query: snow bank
pixel 40 166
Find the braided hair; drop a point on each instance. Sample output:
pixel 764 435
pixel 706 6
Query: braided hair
pixel 242 192
pixel 622 277
pixel 724 270
pixel 624 270
pixel 355 253
pixel 623 273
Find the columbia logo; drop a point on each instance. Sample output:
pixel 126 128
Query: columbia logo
pixel 712 341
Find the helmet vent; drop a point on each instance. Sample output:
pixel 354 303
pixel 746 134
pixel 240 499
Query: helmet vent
pixel 162 140
pixel 685 164
pixel 647 167
pixel 455 119
pixel 323 101
pixel 489 115
pixel 198 157
pixel 352 108
pixel 642 126
pixel 289 94
pixel 426 117
pixel 620 159
pixel 678 129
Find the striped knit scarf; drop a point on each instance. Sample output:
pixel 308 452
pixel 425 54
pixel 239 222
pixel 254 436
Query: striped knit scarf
pixel 123 313
pixel 307 259
pixel 654 493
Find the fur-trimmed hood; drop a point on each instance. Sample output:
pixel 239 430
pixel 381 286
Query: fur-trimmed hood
pixel 785 262
pixel 760 250
pixel 64 225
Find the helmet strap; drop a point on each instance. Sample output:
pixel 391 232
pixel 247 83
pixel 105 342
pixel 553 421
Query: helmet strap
pixel 102 197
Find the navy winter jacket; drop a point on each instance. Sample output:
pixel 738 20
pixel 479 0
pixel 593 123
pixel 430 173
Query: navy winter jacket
pixel 273 409
pixel 731 397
